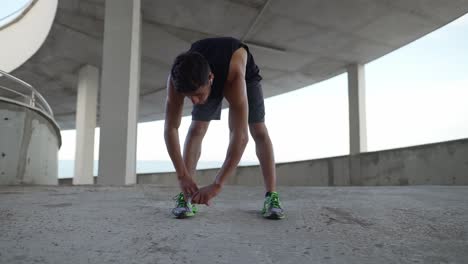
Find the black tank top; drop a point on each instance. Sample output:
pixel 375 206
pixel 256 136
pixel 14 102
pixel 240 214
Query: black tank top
pixel 218 53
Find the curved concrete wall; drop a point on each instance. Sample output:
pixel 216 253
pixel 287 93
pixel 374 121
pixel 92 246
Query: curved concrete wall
pixel 29 144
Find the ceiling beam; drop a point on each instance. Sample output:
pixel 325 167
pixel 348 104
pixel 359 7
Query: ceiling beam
pixel 254 23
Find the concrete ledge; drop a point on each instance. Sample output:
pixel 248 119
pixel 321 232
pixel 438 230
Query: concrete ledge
pixel 436 164
pixel 444 163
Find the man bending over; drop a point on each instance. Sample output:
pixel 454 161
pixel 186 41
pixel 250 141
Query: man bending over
pixel 211 70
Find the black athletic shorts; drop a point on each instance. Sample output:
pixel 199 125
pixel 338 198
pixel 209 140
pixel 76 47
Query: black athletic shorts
pixel 211 110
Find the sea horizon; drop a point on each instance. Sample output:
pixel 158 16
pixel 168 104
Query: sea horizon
pixel 66 167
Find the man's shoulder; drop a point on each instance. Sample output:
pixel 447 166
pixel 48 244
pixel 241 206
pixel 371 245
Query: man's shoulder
pixel 214 41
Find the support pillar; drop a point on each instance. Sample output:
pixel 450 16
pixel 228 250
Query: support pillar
pixel 357 120
pixel 88 82
pixel 120 92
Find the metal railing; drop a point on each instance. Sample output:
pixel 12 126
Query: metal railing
pixel 30 96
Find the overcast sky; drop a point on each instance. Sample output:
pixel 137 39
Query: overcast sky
pixel 415 95
pixel 10 9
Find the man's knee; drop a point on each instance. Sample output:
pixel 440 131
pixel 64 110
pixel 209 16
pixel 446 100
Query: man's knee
pixel 259 132
pixel 198 128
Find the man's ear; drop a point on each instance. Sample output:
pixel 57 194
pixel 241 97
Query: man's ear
pixel 211 77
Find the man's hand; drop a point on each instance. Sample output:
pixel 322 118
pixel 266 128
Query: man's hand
pixel 205 194
pixel 188 186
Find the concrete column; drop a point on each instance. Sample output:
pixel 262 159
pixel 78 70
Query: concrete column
pixel 88 82
pixel 120 92
pixel 357 119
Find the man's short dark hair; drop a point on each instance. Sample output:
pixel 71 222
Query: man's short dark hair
pixel 189 71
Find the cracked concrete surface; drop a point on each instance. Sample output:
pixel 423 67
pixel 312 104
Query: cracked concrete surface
pixel 97 224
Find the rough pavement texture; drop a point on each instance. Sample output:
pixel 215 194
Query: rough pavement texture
pixel 95 224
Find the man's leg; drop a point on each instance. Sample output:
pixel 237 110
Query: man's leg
pixel 192 146
pixel 272 205
pixel 264 150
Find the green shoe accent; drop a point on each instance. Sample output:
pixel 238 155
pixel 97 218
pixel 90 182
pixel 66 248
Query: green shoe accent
pixel 183 208
pixel 194 208
pixel 272 207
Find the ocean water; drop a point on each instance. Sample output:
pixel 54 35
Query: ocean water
pixel 66 167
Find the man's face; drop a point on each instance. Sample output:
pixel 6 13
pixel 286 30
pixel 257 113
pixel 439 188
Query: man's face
pixel 200 96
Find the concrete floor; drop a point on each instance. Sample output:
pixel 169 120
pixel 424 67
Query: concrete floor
pixel 423 224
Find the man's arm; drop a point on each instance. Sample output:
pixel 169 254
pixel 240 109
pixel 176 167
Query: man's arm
pixel 174 107
pixel 236 95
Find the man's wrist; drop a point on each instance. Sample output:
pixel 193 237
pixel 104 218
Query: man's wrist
pixel 183 177
pixel 217 184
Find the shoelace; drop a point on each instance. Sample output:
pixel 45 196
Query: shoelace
pixel 180 200
pixel 274 200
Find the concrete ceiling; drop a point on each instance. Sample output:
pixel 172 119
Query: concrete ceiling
pixel 295 42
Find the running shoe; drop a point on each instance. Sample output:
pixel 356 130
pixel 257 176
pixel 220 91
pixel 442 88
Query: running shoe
pixel 272 207
pixel 183 209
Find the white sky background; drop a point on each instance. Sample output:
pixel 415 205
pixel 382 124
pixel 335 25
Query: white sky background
pixel 415 95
